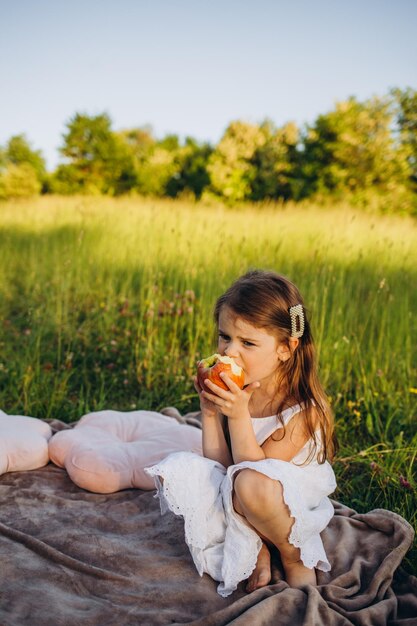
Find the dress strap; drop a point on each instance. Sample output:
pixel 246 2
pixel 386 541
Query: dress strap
pixel 265 426
pixel 287 414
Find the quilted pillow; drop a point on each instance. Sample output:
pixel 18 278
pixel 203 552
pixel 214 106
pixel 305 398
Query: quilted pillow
pixel 23 443
pixel 107 451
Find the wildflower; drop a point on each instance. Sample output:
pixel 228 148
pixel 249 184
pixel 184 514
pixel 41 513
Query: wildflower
pixel 190 294
pixel 375 467
pixel 124 309
pixel 413 390
pixel 27 332
pixel 404 483
pixel 356 412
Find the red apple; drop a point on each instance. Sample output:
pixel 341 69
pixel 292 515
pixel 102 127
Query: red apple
pixel 212 366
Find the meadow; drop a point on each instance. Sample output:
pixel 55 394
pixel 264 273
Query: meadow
pixel 107 303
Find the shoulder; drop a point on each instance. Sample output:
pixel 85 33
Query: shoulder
pixel 305 421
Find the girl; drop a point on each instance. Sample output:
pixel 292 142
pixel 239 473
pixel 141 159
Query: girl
pixel 265 477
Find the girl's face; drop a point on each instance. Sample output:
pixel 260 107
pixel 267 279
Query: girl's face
pixel 254 349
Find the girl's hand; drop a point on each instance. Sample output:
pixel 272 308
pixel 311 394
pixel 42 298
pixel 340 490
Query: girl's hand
pixel 233 403
pixel 208 408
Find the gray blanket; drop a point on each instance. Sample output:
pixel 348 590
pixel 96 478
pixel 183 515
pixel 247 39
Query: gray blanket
pixel 69 557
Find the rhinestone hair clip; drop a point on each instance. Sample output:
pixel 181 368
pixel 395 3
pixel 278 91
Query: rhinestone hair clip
pixel 297 312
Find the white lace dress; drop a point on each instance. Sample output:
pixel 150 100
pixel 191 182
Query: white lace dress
pixel 220 541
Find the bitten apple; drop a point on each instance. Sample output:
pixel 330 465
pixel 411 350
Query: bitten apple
pixel 212 366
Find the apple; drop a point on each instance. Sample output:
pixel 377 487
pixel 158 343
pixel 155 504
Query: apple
pixel 212 366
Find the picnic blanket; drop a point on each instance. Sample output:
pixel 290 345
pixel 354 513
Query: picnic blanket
pixel 69 556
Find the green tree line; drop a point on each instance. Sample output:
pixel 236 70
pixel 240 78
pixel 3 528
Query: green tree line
pixel 360 149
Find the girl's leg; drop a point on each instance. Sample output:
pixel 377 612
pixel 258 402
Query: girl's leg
pixel 261 575
pixel 260 500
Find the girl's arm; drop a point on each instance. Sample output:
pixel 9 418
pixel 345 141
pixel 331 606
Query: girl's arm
pixel 214 442
pixel 246 448
pixel 234 404
pixel 243 440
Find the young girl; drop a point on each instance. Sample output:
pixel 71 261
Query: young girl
pixel 265 477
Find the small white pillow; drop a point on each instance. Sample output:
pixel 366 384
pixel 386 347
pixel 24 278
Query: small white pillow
pixel 23 443
pixel 107 451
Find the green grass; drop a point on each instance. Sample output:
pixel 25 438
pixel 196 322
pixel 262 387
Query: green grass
pixel 107 304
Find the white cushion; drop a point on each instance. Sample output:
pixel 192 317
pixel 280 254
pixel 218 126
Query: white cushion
pixel 23 443
pixel 107 451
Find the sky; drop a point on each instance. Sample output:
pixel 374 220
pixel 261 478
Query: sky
pixel 190 67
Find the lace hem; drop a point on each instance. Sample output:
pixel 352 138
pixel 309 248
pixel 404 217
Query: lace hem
pixel 175 495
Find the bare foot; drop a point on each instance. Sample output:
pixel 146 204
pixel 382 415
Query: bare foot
pixel 298 575
pixel 261 575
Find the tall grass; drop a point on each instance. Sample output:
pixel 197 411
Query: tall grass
pixel 107 303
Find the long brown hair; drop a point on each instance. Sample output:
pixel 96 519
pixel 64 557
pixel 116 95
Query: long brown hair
pixel 263 298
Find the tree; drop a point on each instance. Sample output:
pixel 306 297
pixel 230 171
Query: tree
pixel 139 140
pixel 97 160
pixel 22 169
pixel 352 149
pixel 154 162
pixel 230 167
pixel 406 112
pixel 19 181
pixel 18 152
pixel 192 174
pixel 274 162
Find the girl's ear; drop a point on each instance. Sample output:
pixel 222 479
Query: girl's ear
pixel 285 351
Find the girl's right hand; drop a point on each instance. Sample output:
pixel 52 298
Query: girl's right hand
pixel 208 408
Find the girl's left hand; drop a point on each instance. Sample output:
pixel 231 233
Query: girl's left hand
pixel 233 403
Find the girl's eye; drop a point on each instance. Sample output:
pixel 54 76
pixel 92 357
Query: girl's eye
pixel 224 337
pixel 248 343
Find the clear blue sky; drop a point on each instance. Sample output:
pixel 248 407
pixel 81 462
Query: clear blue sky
pixel 191 66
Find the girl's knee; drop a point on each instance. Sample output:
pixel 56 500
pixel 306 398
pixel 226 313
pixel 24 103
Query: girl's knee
pixel 255 490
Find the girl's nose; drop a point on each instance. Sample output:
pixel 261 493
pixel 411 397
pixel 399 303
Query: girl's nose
pixel 231 350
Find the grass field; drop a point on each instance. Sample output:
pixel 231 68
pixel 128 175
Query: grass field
pixel 107 304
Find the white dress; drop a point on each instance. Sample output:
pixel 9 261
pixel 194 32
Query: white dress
pixel 220 541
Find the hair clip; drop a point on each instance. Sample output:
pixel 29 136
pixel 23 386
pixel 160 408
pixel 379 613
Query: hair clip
pixel 297 312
